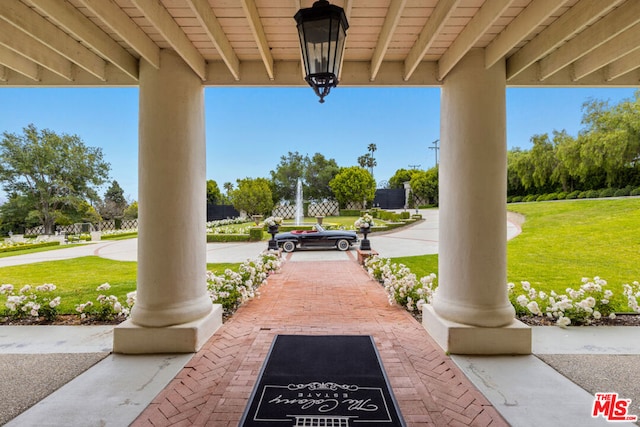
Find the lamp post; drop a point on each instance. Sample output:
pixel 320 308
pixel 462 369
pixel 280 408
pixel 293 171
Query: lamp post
pixel 322 30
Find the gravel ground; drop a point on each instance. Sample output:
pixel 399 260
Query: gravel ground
pixel 601 373
pixel 28 378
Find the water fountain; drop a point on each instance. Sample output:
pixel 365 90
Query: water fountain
pixel 299 211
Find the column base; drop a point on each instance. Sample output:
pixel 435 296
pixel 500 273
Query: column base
pixel 129 338
pixel 457 338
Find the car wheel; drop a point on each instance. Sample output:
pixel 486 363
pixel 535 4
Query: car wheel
pixel 289 246
pixel 343 244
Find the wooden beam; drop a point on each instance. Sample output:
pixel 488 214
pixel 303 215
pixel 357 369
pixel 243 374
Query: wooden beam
pixel 571 22
pixel 68 17
pixel 30 48
pixel 19 63
pixel 616 22
pixel 251 12
pixel 120 23
pixel 624 65
pixel 523 24
pixel 388 28
pixel 214 31
pixel 3 73
pixel 608 52
pixel 490 11
pixel 444 9
pixel 29 21
pixel 162 20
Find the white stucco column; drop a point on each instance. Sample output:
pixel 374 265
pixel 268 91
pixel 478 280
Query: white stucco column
pixel 472 179
pixel 171 288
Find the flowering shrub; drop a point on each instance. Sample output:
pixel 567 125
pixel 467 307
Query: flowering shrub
pixel 632 292
pixel 591 301
pixel 272 221
pixel 220 226
pixel 108 233
pixel 31 301
pixel 401 285
pixel 365 221
pixel 106 307
pixel 231 288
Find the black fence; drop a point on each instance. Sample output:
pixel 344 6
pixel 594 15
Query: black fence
pixel 389 198
pixel 215 212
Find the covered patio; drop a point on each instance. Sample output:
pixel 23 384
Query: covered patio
pixel 172 49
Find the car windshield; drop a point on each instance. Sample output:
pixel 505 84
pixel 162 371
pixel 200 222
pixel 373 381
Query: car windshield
pixel 318 227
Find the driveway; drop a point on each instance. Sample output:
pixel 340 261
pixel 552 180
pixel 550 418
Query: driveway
pixel 418 239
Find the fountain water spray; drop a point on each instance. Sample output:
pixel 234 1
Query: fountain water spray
pixel 299 213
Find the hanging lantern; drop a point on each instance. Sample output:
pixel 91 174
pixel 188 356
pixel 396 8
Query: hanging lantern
pixel 322 30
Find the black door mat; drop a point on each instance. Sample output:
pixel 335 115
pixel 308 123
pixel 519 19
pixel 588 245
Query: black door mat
pixel 322 381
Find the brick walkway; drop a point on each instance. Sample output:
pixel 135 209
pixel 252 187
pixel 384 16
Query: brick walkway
pixel 322 297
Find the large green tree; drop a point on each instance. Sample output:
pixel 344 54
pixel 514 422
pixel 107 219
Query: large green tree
pixel 353 184
pixel 424 185
pixel 318 174
pixel 53 171
pixel 253 196
pixel 400 177
pixel 285 177
pixel 114 202
pixel 214 196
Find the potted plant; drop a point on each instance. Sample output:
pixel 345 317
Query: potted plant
pixel 365 223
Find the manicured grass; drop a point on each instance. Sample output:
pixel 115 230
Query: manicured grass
pixel 76 279
pixel 563 241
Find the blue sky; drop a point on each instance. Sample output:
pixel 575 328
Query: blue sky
pixel 249 129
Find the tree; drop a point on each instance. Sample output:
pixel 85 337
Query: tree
pixel 14 214
pixel 114 203
pixel 367 160
pixel 353 184
pixel 285 177
pixel 400 177
pixel 318 173
pixel 424 185
pixel 53 171
pixel 131 212
pixel 253 195
pixel 213 192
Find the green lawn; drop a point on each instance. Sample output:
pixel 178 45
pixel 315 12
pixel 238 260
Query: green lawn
pixel 76 279
pixel 563 241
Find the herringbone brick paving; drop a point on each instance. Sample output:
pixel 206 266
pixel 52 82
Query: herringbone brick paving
pixel 318 298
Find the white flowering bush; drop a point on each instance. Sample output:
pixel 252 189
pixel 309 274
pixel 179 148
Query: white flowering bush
pixel 231 288
pixel 272 221
pixel 582 306
pixel 632 292
pixel 590 302
pixel 106 307
pixel 31 301
pixel 365 221
pixel 401 285
pixel 221 226
pixel 107 233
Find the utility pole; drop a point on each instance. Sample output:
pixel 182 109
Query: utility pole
pixel 414 166
pixel 436 148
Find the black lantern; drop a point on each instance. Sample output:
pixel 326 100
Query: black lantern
pixel 322 30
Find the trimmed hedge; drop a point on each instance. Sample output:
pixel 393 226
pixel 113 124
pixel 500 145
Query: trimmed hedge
pixel 221 238
pixel 29 246
pixel 350 212
pixel 255 234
